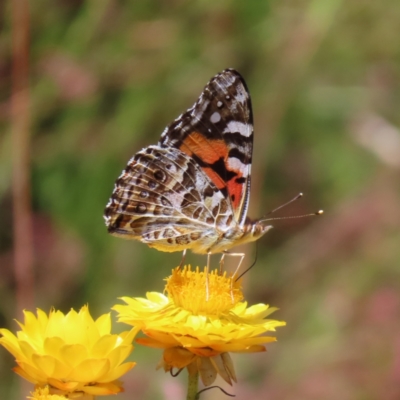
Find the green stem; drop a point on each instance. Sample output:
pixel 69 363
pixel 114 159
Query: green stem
pixel 193 380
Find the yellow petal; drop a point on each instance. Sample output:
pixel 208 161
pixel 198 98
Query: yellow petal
pixel 10 342
pixel 162 337
pixel 118 355
pixel 204 351
pixel 53 345
pixel 78 328
pixel 42 320
pixel 90 370
pixel 46 364
pixel 29 377
pixel 254 349
pixel 149 342
pixel 36 376
pixel 64 386
pixel 157 298
pixel 103 389
pixel 31 328
pixel 103 324
pixel 61 370
pixel 128 336
pixel 189 341
pixel 26 351
pixel 55 325
pixel 178 357
pixel 104 346
pixel 73 354
pixel 118 372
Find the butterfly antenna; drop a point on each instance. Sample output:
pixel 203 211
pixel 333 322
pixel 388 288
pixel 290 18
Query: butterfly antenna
pixel 251 266
pixel 299 196
pixel 320 212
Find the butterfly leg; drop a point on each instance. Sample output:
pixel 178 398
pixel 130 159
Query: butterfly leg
pixel 183 259
pixel 227 253
pixel 241 255
pixel 207 280
pixel 221 263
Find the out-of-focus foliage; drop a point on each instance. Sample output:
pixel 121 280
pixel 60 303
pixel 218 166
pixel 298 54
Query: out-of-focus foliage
pixel 107 76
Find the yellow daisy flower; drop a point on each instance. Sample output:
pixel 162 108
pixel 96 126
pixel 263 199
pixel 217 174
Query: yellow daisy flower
pixel 199 330
pixel 71 353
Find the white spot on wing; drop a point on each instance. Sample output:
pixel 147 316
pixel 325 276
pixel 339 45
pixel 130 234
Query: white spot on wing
pixel 219 104
pixel 216 117
pixel 236 165
pixel 236 126
pixel 241 95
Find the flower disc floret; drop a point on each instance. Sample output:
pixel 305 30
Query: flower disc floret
pixel 202 292
pixel 71 352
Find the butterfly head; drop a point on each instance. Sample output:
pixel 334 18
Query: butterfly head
pixel 250 232
pixel 259 228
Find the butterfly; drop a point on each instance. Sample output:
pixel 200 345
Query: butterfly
pixel 191 190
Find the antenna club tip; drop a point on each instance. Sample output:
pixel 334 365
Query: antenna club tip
pixel 320 212
pixel 301 194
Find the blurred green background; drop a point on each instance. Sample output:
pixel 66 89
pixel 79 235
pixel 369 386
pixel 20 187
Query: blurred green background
pixel 108 76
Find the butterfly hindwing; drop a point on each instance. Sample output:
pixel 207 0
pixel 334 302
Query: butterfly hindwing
pixel 164 199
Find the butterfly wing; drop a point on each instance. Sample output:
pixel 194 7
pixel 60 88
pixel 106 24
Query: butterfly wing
pixel 217 132
pixel 164 199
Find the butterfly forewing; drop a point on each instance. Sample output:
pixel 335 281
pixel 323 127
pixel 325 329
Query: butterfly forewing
pixel 218 133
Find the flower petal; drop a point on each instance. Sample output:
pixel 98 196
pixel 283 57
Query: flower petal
pixel 103 389
pixel 118 372
pixel 90 370
pixel 149 342
pixel 207 371
pixel 103 324
pixel 36 376
pixel 178 357
pixel 220 368
pixel 74 354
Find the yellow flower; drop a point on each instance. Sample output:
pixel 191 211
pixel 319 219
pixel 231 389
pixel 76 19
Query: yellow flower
pixel 71 353
pixel 198 330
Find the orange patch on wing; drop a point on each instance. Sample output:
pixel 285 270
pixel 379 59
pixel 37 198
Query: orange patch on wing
pixel 207 150
pixel 235 189
pixel 216 179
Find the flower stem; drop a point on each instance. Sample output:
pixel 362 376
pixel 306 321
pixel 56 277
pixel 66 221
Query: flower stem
pixel 193 380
